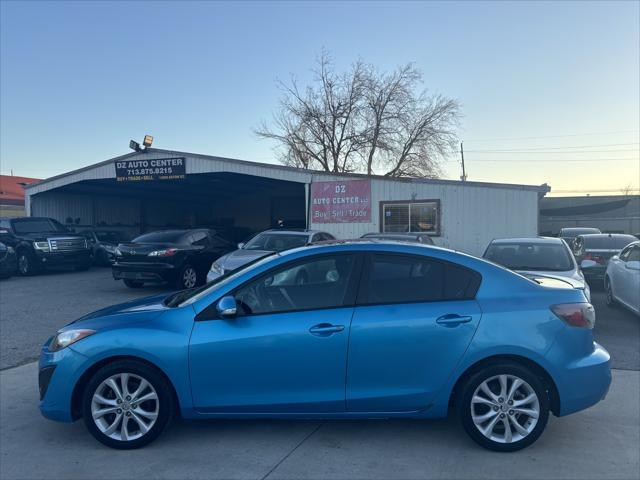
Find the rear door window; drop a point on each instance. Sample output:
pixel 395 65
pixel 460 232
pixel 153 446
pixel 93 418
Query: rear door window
pixel 407 278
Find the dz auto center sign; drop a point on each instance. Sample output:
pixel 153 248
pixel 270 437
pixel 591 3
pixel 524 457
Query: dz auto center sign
pixel 341 202
pixel 153 169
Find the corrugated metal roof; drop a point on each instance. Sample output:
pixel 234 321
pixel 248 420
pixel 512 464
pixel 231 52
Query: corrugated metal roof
pixel 293 174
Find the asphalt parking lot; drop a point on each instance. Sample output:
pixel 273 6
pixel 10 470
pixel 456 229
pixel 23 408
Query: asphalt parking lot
pixel 601 442
pixel 33 308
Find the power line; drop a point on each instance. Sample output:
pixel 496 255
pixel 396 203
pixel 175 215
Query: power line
pixel 552 160
pixel 555 136
pixel 537 152
pixel 534 149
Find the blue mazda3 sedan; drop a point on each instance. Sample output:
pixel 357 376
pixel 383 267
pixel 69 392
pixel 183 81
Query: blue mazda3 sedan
pixel 360 329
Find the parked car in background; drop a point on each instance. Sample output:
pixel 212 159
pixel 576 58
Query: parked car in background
pixel 42 242
pixel 538 258
pixel 103 244
pixel 622 278
pixel 569 234
pixel 407 316
pixel 180 257
pixel 8 261
pixel 400 237
pixel 263 243
pixel 594 251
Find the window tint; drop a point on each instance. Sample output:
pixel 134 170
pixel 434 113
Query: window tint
pixel 634 255
pixel 530 256
pixel 37 225
pixel 605 242
pixel 168 236
pixel 316 283
pixel 404 279
pixel 276 242
pixel 200 238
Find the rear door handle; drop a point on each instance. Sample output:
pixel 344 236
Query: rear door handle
pixel 325 329
pixel 453 319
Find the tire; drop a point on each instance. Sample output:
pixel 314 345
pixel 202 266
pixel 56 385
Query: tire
pixel 132 283
pixel 26 264
pixel 523 427
pixel 611 300
pixel 187 278
pixel 153 414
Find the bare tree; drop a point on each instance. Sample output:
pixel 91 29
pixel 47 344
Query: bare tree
pixel 363 121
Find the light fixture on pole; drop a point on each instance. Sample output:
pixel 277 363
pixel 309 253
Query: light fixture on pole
pixel 148 140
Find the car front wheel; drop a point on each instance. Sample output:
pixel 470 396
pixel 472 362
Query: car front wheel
pixel 127 404
pixel 504 407
pixel 187 278
pixel 26 264
pixel 611 300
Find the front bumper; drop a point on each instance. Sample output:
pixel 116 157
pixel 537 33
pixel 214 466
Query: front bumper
pixel 144 271
pixel 211 276
pixel 63 259
pixel 58 374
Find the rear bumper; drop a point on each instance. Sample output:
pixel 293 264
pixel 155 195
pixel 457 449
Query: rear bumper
pixel 144 271
pixel 584 382
pixel 594 273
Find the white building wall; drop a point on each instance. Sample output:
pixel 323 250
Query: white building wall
pixel 471 216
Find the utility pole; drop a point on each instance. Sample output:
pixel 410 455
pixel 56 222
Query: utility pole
pixel 464 173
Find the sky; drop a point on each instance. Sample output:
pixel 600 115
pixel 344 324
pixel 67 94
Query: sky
pixel 550 91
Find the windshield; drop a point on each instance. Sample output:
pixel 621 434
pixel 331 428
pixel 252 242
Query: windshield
pixel 614 242
pixel 276 242
pixel 37 225
pixel 110 237
pixel 169 236
pixel 187 297
pixel 530 256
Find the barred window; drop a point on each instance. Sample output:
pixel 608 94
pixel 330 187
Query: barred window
pixel 413 217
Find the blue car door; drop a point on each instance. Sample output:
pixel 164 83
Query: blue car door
pixel 414 319
pixel 286 349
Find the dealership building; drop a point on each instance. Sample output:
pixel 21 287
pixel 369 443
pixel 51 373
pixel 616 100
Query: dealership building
pixel 156 189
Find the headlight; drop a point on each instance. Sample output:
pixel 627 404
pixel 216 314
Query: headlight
pixel 167 252
pixel 68 337
pixel 117 252
pixel 217 268
pixel 42 246
pixel 109 248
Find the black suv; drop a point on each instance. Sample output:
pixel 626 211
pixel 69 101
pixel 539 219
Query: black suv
pixel 42 242
pixel 180 257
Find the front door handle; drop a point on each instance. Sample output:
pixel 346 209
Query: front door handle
pixel 325 329
pixel 453 319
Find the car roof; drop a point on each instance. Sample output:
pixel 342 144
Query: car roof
pixel 606 235
pixel 291 231
pixel 537 240
pixel 573 229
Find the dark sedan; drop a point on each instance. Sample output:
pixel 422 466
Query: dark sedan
pixel 594 251
pixel 180 257
pixel 103 245
pixel 8 261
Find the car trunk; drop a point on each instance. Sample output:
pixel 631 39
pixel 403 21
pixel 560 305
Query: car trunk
pixel 139 252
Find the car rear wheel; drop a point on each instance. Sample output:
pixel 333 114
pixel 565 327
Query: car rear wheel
pixel 188 278
pixel 127 404
pixel 504 407
pixel 132 283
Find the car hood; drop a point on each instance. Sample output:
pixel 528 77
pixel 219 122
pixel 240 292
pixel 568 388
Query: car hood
pixel 43 236
pixel 572 278
pixel 240 257
pixel 136 310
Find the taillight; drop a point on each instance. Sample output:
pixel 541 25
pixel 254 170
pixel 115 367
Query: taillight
pixel 167 252
pixel 580 315
pixel 595 258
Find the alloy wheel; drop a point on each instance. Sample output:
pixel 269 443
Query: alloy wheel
pixel 23 264
pixel 505 408
pixel 189 277
pixel 125 407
